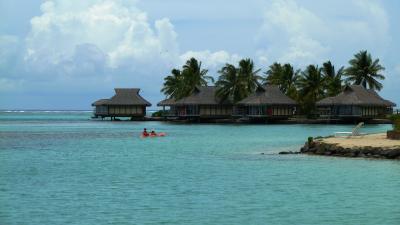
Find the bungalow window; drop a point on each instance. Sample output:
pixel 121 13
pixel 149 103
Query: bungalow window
pixel 274 111
pixel 139 110
pixel 101 109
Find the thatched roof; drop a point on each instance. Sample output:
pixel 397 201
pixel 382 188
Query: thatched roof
pixel 166 102
pixel 124 96
pixel 267 95
pixel 202 95
pixel 101 102
pixel 356 95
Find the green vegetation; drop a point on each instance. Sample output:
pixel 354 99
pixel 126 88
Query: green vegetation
pixel 174 85
pixel 365 71
pixel 285 77
pixel 311 88
pixel 181 83
pixel 158 113
pixel 237 83
pixel 310 140
pixel 305 86
pixel 333 82
pixel 396 122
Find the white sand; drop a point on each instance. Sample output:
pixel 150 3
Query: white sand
pixel 373 140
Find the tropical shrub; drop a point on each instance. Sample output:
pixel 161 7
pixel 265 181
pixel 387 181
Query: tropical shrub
pixel 159 113
pixel 396 122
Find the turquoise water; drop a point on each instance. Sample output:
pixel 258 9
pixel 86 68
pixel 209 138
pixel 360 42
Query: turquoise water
pixel 62 168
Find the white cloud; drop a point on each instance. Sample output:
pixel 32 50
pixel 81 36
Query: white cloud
pixel 93 46
pixel 296 34
pixel 123 34
pixel 304 50
pixel 97 36
pixel 212 60
pixel 288 27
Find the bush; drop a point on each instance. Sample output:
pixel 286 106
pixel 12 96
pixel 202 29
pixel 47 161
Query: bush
pixel 159 113
pixel 310 140
pixel 396 122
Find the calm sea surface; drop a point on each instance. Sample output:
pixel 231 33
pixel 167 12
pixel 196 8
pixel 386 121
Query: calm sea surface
pixel 63 168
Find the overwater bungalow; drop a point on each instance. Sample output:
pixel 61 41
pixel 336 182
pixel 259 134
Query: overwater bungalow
pixel 125 103
pixel 203 103
pixel 355 102
pixel 268 102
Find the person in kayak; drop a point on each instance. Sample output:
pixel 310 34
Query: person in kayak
pixel 144 133
pixel 153 133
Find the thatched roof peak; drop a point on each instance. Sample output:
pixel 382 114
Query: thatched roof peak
pixel 267 95
pixel 356 95
pixel 202 95
pixel 124 96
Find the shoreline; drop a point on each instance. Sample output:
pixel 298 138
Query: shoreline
pixel 375 146
pixel 236 121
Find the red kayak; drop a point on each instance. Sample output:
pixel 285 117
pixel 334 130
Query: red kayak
pixel 161 134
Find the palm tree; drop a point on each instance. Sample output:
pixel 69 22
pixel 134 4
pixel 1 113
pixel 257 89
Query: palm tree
pixel 237 83
pixel 290 78
pixel 194 75
pixel 284 76
pixel 365 71
pixel 248 75
pixel 311 85
pixel 274 75
pixel 229 85
pixel 334 83
pixel 182 83
pixel 173 85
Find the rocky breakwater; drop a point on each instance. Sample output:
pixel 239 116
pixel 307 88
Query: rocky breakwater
pixel 366 146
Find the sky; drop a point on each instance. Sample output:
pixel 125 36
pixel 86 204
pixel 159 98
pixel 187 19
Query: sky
pixel 65 54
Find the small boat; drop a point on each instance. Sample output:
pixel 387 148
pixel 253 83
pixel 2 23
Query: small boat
pixel 161 134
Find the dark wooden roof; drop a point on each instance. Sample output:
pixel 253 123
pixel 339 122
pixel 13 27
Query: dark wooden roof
pixel 204 95
pixel 124 96
pixel 166 102
pixel 267 95
pixel 101 102
pixel 356 95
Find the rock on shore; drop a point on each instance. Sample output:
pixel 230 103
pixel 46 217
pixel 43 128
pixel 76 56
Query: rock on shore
pixel 329 148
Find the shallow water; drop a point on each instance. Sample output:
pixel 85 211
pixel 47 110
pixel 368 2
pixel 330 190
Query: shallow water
pixel 63 168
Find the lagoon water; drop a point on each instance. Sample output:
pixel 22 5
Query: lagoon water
pixel 63 168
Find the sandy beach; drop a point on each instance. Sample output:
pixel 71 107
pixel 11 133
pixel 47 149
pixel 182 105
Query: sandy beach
pixel 373 140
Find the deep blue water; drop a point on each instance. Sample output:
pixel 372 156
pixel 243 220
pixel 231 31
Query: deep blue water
pixel 63 168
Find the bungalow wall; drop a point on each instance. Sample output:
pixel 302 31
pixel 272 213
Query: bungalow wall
pixel 353 111
pixel 127 110
pixel 215 110
pixel 201 110
pixel 188 110
pixel 375 111
pixel 264 110
pixel 101 110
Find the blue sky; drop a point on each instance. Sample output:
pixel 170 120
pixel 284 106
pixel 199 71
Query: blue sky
pixel 64 54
